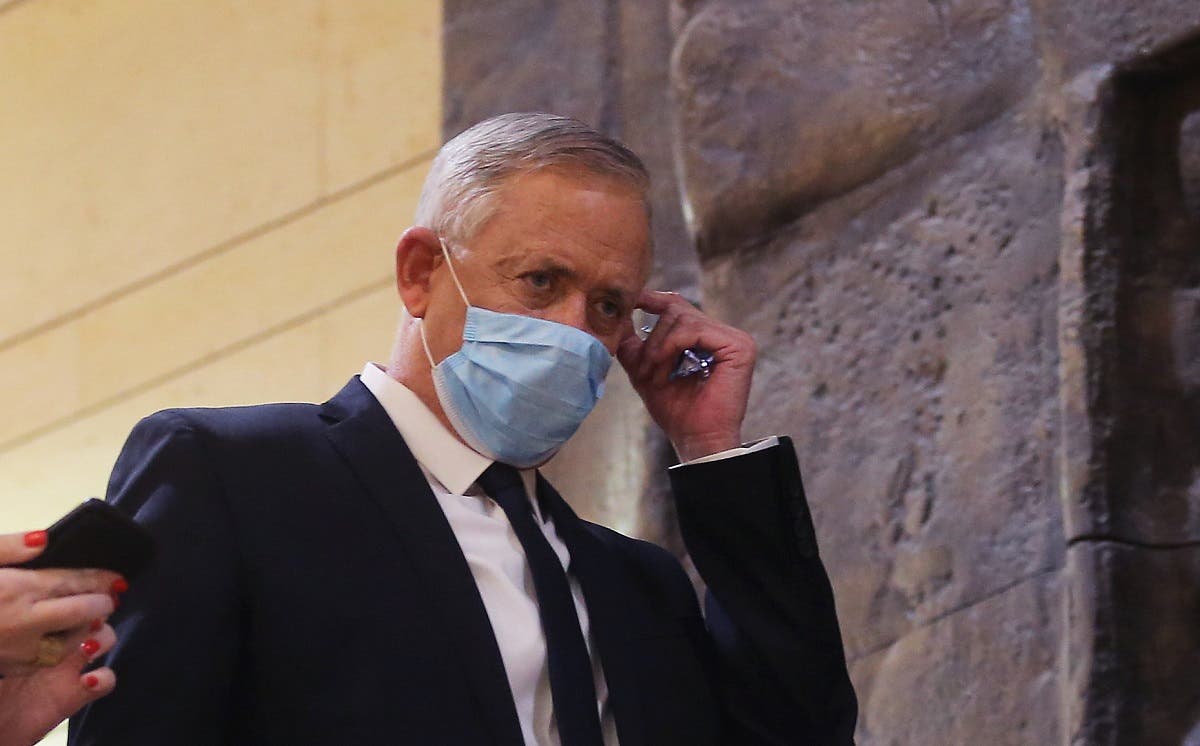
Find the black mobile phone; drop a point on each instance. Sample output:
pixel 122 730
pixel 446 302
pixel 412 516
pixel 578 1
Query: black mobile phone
pixel 96 535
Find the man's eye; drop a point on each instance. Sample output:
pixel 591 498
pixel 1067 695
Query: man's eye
pixel 539 280
pixel 609 309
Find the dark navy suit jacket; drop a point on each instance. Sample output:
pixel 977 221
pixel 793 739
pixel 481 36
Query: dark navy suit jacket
pixel 308 590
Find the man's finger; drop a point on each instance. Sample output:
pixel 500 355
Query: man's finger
pixel 629 353
pixel 629 330
pixel 653 342
pixel 665 358
pixel 724 343
pixel 16 548
pixel 658 301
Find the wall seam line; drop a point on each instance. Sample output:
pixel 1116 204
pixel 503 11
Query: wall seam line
pixel 204 361
pixel 11 5
pixel 223 247
pixel 1132 543
pixel 951 612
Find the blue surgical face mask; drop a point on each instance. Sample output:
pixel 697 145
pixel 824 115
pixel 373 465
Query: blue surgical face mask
pixel 519 386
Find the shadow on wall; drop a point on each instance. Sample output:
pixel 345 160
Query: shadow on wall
pixel 1189 163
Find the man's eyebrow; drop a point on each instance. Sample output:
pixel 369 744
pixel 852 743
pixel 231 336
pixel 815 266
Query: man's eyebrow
pixel 522 263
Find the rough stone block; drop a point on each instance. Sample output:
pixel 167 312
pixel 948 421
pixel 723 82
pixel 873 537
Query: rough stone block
pixel 785 104
pixel 524 55
pixel 911 351
pixel 641 116
pixel 1074 35
pixel 1133 620
pixel 1130 400
pixel 985 674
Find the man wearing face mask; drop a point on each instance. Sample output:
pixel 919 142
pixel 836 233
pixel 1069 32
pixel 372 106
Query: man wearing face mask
pixel 390 567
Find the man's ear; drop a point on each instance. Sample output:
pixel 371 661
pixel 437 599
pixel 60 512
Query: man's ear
pixel 417 254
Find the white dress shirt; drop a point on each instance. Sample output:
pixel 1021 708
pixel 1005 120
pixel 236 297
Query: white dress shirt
pixel 495 557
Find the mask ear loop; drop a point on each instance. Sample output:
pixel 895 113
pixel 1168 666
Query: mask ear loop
pixel 425 343
pixel 461 292
pixel 453 274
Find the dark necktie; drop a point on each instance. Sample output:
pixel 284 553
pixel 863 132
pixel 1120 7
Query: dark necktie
pixel 571 686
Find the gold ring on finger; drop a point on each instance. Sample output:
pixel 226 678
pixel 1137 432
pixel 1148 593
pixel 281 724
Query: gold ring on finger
pixel 52 648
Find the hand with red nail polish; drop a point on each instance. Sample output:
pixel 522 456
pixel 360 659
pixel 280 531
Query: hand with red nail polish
pixel 32 703
pixel 52 624
pixel 40 609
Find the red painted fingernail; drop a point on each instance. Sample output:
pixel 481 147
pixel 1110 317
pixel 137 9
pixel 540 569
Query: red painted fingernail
pixel 90 647
pixel 35 539
pixel 91 680
pixel 120 585
pixel 95 625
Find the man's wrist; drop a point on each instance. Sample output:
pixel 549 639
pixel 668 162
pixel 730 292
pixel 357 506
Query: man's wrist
pixel 694 448
pixel 741 450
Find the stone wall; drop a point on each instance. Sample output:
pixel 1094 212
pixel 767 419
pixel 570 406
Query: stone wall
pixel 965 234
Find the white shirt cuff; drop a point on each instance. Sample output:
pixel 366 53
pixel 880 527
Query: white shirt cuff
pixel 741 450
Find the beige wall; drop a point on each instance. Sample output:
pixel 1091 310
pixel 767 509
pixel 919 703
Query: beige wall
pixel 198 203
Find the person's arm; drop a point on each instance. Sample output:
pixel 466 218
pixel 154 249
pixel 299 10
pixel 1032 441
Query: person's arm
pixel 179 625
pixel 770 609
pixel 770 612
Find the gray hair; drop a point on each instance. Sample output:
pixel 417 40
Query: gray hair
pixel 459 193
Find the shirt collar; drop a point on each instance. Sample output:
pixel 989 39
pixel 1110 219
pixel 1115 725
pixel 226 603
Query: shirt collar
pixel 448 459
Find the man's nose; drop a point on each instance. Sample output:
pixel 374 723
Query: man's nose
pixel 572 311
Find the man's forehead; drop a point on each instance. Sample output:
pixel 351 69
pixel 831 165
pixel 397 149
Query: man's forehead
pixel 550 192
pixel 583 222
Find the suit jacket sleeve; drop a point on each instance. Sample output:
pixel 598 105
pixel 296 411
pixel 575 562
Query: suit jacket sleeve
pixel 769 610
pixel 178 624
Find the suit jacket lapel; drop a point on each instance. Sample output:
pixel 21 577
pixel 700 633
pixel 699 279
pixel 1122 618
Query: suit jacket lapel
pixel 593 564
pixel 368 441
